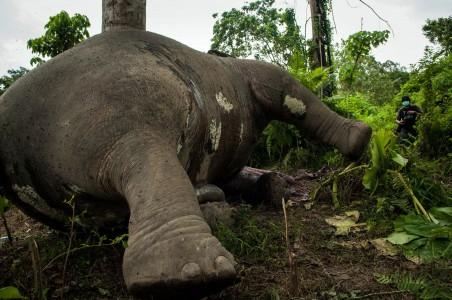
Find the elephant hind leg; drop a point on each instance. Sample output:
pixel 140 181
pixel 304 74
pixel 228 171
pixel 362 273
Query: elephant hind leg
pixel 171 251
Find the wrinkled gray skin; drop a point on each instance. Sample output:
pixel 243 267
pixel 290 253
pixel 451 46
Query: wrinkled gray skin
pixel 129 122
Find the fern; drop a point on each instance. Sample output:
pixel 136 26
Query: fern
pixel 402 203
pixel 420 286
pixel 280 137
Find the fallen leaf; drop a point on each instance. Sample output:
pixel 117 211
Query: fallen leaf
pixel 354 244
pixel 354 214
pixel 415 259
pixel 346 222
pixel 384 247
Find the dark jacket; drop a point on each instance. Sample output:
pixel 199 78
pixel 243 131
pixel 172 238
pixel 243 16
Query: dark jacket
pixel 407 116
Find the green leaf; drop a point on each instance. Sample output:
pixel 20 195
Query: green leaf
pixel 429 230
pixel 10 292
pixel 4 205
pixel 402 221
pixel 370 178
pixel 415 244
pixel 401 238
pixel 399 159
pixel 442 214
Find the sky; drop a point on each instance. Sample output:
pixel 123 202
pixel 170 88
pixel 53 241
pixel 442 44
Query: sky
pixel 191 22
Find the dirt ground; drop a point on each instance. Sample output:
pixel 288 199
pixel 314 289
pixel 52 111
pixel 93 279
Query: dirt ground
pixel 324 266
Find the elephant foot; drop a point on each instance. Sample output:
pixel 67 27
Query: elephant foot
pixel 209 193
pixel 180 264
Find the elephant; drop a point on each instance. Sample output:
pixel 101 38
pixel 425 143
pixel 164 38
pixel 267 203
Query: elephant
pixel 131 122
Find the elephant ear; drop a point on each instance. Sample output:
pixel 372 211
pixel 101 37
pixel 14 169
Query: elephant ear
pixel 267 96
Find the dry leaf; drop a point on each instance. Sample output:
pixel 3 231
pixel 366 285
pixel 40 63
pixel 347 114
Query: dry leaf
pixel 346 222
pixel 384 247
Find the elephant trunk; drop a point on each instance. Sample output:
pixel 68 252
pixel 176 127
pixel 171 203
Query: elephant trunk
pixel 349 136
pixel 282 97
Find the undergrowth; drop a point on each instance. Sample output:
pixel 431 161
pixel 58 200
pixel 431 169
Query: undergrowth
pixel 421 286
pixel 252 238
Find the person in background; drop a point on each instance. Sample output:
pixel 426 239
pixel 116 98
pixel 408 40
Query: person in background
pixel 406 119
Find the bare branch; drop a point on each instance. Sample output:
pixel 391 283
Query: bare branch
pixel 350 4
pixel 373 10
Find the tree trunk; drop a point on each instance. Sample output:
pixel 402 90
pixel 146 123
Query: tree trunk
pixel 123 15
pixel 318 58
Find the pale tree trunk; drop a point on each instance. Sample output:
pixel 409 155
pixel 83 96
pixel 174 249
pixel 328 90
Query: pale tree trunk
pixel 120 15
pixel 318 58
pixel 321 40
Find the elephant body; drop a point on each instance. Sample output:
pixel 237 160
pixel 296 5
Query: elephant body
pixel 129 122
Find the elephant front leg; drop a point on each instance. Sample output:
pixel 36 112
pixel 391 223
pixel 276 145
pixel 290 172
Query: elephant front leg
pixel 171 251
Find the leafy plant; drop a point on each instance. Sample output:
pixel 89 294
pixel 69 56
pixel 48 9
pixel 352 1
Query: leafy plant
pixel 7 80
pixel 10 292
pixel 250 238
pixel 279 138
pixel 383 157
pixel 421 286
pixel 356 47
pixel 438 32
pixel 334 178
pixel 62 33
pixel 260 30
pixel 421 238
pixel 314 80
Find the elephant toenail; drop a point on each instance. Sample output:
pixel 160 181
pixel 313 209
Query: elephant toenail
pixel 191 270
pixel 224 265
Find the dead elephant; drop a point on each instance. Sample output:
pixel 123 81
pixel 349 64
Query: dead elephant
pixel 130 121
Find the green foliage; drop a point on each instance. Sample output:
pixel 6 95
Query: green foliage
pixel 427 240
pixel 7 80
pixel 259 30
pixel 314 80
pixel 282 145
pixel 439 32
pixel 62 33
pixel 422 287
pixel 358 106
pixel 383 157
pixel 380 81
pixel 431 86
pixel 4 205
pixel 346 178
pixel 356 48
pixel 251 238
pixel 362 42
pixel 10 292
pixel 431 189
pixel 279 138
